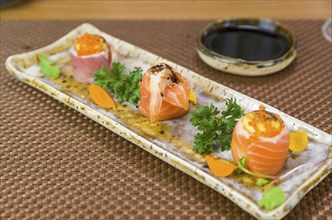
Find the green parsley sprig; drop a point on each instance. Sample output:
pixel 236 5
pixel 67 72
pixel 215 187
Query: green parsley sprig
pixel 125 87
pixel 214 128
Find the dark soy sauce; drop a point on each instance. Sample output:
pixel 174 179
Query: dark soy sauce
pixel 247 43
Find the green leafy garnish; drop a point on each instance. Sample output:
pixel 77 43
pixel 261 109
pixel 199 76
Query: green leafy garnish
pixel 47 68
pixel 272 198
pixel 261 182
pixel 215 129
pixel 241 164
pixel 125 87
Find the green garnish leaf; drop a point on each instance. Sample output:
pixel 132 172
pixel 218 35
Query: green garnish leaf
pixel 242 162
pixel 47 68
pixel 261 182
pixel 215 129
pixel 272 198
pixel 125 87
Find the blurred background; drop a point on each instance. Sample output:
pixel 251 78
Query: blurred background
pixel 163 9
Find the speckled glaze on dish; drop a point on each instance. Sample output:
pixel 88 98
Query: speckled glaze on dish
pixel 174 144
pixel 244 67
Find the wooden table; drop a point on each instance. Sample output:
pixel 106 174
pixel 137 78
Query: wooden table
pixel 162 9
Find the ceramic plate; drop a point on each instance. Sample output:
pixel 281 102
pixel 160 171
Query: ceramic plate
pixel 172 140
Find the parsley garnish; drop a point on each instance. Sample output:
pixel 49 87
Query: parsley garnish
pixel 47 68
pixel 125 87
pixel 215 129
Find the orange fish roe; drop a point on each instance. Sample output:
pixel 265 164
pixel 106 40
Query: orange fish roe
pixel 89 44
pixel 263 123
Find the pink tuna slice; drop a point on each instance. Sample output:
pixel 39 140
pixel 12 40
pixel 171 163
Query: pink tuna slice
pixel 84 67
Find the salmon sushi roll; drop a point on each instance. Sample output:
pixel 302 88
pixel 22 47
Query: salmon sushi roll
pixel 164 93
pixel 88 55
pixel 263 139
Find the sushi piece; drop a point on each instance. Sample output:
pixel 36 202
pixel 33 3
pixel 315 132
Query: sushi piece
pixel 263 139
pixel 164 93
pixel 88 55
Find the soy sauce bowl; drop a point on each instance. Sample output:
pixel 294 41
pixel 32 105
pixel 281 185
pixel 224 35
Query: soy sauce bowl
pixel 249 47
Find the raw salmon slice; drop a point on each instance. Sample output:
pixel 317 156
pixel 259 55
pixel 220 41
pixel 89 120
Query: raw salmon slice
pixel 263 139
pixel 164 93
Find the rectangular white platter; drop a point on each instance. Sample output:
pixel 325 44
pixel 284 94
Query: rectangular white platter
pixel 174 144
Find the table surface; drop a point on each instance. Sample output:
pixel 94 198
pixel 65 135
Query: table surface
pixel 161 9
pixel 59 164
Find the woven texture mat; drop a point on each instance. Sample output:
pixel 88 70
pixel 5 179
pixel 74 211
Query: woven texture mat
pixel 58 164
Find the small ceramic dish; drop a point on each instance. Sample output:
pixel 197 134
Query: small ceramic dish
pixel 250 47
pixel 327 30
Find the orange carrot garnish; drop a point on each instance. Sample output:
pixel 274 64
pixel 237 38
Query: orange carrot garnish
pixel 101 97
pixel 220 167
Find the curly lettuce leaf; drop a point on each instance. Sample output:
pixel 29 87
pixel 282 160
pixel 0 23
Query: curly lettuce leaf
pixel 215 129
pixel 125 87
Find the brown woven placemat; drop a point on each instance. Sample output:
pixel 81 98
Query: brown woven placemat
pixel 58 164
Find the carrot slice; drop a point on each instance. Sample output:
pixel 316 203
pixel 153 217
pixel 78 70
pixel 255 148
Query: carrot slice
pixel 220 167
pixel 101 97
pixel 192 97
pixel 298 141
